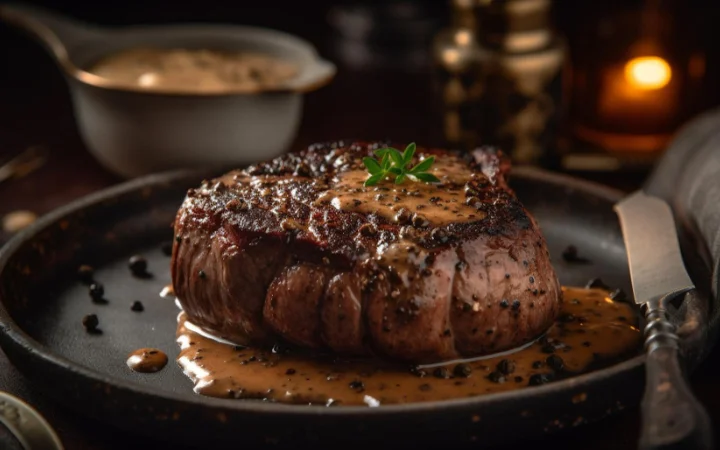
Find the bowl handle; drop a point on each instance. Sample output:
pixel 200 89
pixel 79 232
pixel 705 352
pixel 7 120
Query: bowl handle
pixel 59 34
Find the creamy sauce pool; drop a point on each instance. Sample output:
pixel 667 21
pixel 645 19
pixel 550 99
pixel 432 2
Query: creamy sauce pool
pixel 187 70
pixel 417 203
pixel 591 329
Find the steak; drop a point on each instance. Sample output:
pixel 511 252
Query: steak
pixel 296 250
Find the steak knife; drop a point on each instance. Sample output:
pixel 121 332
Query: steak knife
pixel 672 418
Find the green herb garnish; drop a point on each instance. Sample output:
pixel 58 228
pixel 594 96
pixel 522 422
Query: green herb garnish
pixel 393 163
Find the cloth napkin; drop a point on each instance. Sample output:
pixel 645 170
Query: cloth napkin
pixel 688 178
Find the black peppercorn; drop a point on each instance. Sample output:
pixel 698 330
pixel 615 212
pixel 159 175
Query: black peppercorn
pixel 201 274
pixel 90 322
pixel 439 235
pixel 96 292
pixel 137 265
pixel 506 366
pixel 403 216
pixel 85 274
pixel 555 362
pixel 418 372
pixel 548 348
pixel 137 306
pixel 496 377
pixel 570 253
pixel 357 385
pixel 419 221
pixel 469 191
pixel 368 230
pixel 441 372
pixel 538 379
pixel 462 370
pixel 537 364
pixel 516 305
pixel 504 303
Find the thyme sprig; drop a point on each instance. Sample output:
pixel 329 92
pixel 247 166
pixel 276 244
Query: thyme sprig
pixel 393 163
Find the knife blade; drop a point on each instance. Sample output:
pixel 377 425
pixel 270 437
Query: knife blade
pixel 672 416
pixel 656 265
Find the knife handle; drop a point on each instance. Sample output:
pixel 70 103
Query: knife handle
pixel 672 417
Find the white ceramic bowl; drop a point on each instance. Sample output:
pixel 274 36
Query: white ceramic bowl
pixel 133 132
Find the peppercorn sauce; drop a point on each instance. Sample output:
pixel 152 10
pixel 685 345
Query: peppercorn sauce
pixel 592 330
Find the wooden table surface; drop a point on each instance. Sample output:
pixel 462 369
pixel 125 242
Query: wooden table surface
pixel 362 102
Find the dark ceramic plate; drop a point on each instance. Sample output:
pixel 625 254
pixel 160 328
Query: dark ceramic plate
pixel 42 305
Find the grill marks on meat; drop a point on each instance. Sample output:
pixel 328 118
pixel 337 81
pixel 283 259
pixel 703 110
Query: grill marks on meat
pixel 297 250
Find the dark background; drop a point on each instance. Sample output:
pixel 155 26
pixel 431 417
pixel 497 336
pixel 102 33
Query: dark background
pixel 34 99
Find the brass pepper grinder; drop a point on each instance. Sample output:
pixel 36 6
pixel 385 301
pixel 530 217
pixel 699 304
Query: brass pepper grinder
pixel 500 70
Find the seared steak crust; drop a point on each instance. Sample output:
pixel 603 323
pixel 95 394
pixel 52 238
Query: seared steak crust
pixel 297 250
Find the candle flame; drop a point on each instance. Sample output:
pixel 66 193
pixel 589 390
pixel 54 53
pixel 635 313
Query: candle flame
pixel 463 37
pixel 648 72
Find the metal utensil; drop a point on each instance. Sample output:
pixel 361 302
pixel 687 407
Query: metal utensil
pixel 672 417
pixel 27 425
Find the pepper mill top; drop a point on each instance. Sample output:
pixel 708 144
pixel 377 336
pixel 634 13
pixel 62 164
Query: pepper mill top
pixel 499 71
pixel 506 25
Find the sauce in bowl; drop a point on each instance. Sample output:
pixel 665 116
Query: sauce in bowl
pixel 194 71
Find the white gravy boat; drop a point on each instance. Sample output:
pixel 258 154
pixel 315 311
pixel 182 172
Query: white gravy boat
pixel 133 131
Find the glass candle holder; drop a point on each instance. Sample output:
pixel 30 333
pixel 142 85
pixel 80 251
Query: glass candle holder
pixel 634 83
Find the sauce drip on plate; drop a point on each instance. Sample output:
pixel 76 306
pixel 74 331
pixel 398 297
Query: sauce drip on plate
pixel 147 360
pixel 591 329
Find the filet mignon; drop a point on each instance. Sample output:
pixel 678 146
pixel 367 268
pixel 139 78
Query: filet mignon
pixel 297 250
